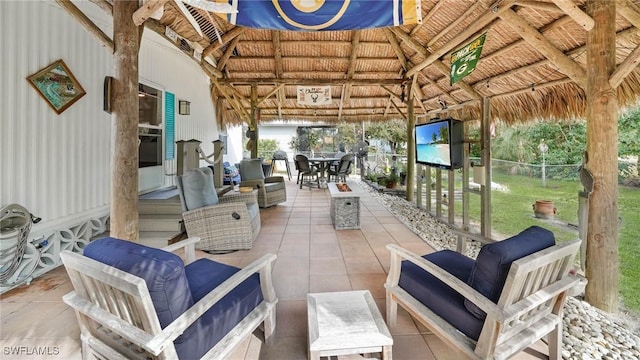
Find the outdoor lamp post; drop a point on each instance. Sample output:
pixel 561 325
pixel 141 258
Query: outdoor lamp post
pixel 543 148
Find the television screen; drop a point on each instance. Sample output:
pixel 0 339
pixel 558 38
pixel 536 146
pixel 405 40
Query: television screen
pixel 439 143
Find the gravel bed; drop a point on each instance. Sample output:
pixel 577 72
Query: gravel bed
pixel 588 332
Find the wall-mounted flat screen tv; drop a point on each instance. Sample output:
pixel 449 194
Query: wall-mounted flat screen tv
pixel 439 143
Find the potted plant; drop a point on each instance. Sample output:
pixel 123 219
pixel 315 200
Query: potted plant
pixel 392 180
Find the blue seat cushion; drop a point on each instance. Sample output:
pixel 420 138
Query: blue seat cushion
pixel 494 261
pixel 163 272
pixel 439 297
pixel 274 186
pixel 203 276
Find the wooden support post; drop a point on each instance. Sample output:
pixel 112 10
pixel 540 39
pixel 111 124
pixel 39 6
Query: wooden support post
pixel 255 112
pixel 602 149
pixel 418 186
pixel 188 156
pixel 428 191
pixel 411 146
pixel 438 195
pixel 451 177
pixel 465 182
pixel 218 168
pixel 485 140
pixel 124 176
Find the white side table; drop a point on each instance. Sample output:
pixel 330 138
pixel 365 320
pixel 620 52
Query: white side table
pixel 347 322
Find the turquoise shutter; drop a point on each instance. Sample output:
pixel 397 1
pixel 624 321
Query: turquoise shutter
pixel 170 125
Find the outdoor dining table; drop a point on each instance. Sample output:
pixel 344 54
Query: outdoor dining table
pixel 324 165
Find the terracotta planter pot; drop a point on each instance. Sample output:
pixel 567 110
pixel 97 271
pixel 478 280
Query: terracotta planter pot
pixel 544 209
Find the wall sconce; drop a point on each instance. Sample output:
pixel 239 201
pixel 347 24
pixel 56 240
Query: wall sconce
pixel 184 107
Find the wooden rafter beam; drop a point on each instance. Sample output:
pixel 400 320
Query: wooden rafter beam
pixel 93 29
pixel 551 26
pixel 447 30
pixel 486 18
pixel 441 89
pixel 275 90
pixel 396 48
pixel 237 94
pixel 336 82
pixel 427 18
pixel 398 110
pixel 341 105
pixel 232 101
pixel 570 8
pixel 355 41
pixel 578 50
pixel 236 31
pixel 155 26
pixel 279 69
pixel 541 5
pixel 624 69
pixel 185 12
pixel 222 62
pixel 415 46
pixel 545 47
pixel 393 94
pixel 147 10
pixel 629 11
pixel 104 5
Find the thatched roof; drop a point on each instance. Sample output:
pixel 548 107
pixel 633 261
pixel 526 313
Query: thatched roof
pixel 533 63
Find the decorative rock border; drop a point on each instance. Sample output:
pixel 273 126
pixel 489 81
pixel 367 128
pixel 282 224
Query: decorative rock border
pixel 588 332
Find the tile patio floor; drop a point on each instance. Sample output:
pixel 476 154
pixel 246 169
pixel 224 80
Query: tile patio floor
pixel 312 257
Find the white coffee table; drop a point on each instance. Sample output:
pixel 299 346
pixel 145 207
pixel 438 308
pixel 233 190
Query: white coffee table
pixel 347 322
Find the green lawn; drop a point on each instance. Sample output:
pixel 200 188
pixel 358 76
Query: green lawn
pixel 512 212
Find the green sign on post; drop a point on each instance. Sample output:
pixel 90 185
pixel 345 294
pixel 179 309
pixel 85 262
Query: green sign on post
pixel 464 61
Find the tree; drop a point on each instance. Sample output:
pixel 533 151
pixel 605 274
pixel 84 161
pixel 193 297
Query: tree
pixel 394 132
pixel 629 133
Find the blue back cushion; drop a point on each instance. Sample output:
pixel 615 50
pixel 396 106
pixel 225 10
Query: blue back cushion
pixel 251 169
pixel 162 271
pixel 494 261
pixel 196 189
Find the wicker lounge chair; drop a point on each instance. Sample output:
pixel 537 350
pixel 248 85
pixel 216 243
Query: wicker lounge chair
pixel 271 189
pixel 228 223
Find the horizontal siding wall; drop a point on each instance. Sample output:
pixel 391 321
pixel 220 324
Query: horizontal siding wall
pixel 169 69
pixel 59 166
pixel 54 165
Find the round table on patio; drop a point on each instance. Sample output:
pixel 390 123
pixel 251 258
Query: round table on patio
pixel 323 162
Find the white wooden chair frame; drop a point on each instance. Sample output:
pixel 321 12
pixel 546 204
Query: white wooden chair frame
pixel 118 321
pixel 529 308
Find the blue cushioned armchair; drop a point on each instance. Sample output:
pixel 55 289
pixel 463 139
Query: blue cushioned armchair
pixel 138 302
pixel 492 307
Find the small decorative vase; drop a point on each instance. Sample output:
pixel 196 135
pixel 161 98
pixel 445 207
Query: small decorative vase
pixel 544 209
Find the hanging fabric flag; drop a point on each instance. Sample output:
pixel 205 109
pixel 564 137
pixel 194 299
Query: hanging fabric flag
pixel 464 61
pixel 315 15
pixel 314 95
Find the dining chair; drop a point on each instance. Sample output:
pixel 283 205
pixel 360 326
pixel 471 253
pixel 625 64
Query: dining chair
pixel 342 170
pixel 306 171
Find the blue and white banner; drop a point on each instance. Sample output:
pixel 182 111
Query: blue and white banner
pixel 316 15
